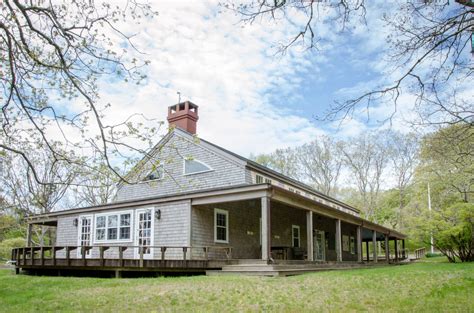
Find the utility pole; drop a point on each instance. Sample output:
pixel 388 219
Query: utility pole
pixel 429 208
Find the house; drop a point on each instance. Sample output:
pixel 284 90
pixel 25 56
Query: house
pixel 199 207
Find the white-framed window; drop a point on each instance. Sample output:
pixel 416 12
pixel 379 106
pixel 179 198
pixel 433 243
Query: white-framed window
pixel 295 236
pixel 221 226
pixel 352 243
pixel 113 227
pixel 193 166
pixel 156 173
pixel 258 179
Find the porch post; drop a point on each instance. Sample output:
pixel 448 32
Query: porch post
pixel 359 243
pixel 374 242
pixel 396 250
pixel 266 230
pixel 403 249
pixel 29 230
pixel 387 249
pixel 338 241
pixel 309 235
pixel 367 255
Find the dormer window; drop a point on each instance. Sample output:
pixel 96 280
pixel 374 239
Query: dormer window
pixel 193 166
pixel 156 174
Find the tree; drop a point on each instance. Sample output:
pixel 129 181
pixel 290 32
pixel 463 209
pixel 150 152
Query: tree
pixel 447 161
pixel 429 45
pixel 366 157
pixel 321 163
pixel 452 229
pixel 403 157
pixel 53 54
pixel 283 161
pixel 96 187
pixel 28 196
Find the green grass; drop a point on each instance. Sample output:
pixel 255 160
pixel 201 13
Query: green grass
pixel 423 287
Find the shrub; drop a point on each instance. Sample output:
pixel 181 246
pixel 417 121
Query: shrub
pixel 7 245
pixel 433 255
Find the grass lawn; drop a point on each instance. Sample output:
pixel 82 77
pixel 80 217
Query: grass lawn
pixel 431 286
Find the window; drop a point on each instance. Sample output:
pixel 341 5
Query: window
pixel 258 179
pixel 113 227
pixel 194 166
pixel 268 181
pixel 295 231
pixel 156 174
pixel 221 226
pixel 352 245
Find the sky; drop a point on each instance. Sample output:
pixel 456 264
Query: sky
pixel 251 99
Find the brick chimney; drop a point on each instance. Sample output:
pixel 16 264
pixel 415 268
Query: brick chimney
pixel 184 115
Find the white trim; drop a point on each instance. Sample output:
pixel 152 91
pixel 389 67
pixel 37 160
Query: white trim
pixel 226 213
pixel 152 235
pixel 118 213
pixel 293 227
pixel 79 233
pixel 210 169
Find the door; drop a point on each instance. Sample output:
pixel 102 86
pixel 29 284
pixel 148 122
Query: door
pixel 85 232
pixel 144 233
pixel 319 245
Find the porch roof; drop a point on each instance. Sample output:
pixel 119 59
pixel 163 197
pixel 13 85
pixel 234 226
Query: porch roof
pixel 228 194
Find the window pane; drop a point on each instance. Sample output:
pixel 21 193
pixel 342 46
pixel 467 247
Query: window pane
pixel 296 243
pixel 124 232
pixel 193 166
pixel 112 221
pixel 221 233
pixel 100 221
pixel 100 234
pixel 221 220
pixel 125 220
pixel 111 233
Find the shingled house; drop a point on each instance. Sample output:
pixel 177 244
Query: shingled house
pixel 199 207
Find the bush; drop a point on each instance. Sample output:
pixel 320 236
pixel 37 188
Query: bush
pixel 7 245
pixel 433 255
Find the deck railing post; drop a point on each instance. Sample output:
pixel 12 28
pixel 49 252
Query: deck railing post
pixel 141 256
pixel 83 254
pixel 42 255
pixel 206 253
pixel 24 255
pixel 185 250
pixel 163 251
pixel 101 256
pixel 68 256
pixel 121 256
pixel 54 256
pixel 18 256
pixel 32 256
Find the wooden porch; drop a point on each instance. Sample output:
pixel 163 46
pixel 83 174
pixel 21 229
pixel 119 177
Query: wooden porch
pixel 213 261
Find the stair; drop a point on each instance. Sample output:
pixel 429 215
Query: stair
pixel 288 269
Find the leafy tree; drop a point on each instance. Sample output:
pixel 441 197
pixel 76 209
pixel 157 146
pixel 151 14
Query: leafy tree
pixel 283 161
pixel 52 55
pixel 452 229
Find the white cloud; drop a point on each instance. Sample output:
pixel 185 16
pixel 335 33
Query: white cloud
pixel 225 68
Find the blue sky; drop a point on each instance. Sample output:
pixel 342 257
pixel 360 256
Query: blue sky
pixel 250 100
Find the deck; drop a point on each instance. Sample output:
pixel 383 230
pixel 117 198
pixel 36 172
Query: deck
pixel 211 260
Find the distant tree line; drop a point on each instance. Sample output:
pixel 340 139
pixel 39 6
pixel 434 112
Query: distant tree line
pixel 386 175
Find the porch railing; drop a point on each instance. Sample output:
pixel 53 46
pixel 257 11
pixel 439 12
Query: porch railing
pixel 47 255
